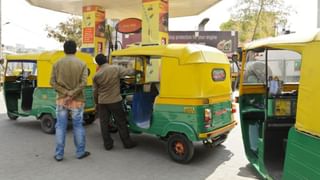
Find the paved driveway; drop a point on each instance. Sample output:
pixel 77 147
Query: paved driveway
pixel 27 153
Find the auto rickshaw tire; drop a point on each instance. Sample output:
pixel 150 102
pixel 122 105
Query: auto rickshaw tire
pixel 11 116
pixel 48 124
pixel 180 148
pixel 89 119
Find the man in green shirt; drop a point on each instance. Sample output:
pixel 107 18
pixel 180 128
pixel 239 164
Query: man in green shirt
pixel 69 78
pixel 106 92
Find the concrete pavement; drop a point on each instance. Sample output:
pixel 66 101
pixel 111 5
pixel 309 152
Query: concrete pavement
pixel 27 153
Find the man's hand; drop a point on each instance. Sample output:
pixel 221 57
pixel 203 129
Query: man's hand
pixel 67 101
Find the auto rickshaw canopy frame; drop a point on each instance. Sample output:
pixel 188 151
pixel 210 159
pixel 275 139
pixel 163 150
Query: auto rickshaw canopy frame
pixel 307 44
pixel 46 60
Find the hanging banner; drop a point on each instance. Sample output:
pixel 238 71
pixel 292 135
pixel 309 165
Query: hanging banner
pixel 226 41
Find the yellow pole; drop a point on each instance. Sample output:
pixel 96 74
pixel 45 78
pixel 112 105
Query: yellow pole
pixel 93 30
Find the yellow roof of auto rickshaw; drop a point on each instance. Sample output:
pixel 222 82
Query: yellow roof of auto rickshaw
pixel 23 57
pixel 295 39
pixel 51 56
pixel 46 59
pixel 186 53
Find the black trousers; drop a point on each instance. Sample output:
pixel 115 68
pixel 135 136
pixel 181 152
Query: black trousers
pixel 119 115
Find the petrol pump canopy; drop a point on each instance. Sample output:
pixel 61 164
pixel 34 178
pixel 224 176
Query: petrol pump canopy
pixel 125 8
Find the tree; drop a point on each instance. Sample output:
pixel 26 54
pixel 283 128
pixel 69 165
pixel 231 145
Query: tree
pixel 255 19
pixel 70 29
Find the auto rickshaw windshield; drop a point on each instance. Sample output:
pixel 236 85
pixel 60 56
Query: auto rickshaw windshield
pixel 18 68
pixel 282 64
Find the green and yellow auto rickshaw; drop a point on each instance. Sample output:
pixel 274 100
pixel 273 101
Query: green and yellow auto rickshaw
pixel 27 91
pixel 181 94
pixel 279 93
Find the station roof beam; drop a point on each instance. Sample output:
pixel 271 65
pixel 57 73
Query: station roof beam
pixel 125 8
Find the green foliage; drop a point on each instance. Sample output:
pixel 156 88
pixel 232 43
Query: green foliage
pixel 255 19
pixel 70 29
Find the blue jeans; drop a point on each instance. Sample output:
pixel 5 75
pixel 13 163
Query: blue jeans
pixel 61 129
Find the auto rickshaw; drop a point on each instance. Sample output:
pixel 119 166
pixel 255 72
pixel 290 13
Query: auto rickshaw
pixel 27 89
pixel 279 92
pixel 181 93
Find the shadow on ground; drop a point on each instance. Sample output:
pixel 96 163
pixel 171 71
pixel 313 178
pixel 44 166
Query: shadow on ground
pixel 248 171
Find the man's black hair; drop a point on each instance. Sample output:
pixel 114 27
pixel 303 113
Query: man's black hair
pixel 101 59
pixel 70 47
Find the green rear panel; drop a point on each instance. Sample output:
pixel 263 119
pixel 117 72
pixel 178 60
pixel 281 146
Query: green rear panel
pixel 302 157
pixel 44 101
pixel 221 115
pixel 89 98
pixel 173 118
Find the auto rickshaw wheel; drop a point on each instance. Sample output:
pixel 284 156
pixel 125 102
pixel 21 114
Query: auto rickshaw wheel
pixel 180 148
pixel 11 116
pixel 89 119
pixel 48 124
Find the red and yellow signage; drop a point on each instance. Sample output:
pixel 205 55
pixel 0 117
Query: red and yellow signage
pixel 93 30
pixel 129 25
pixel 88 35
